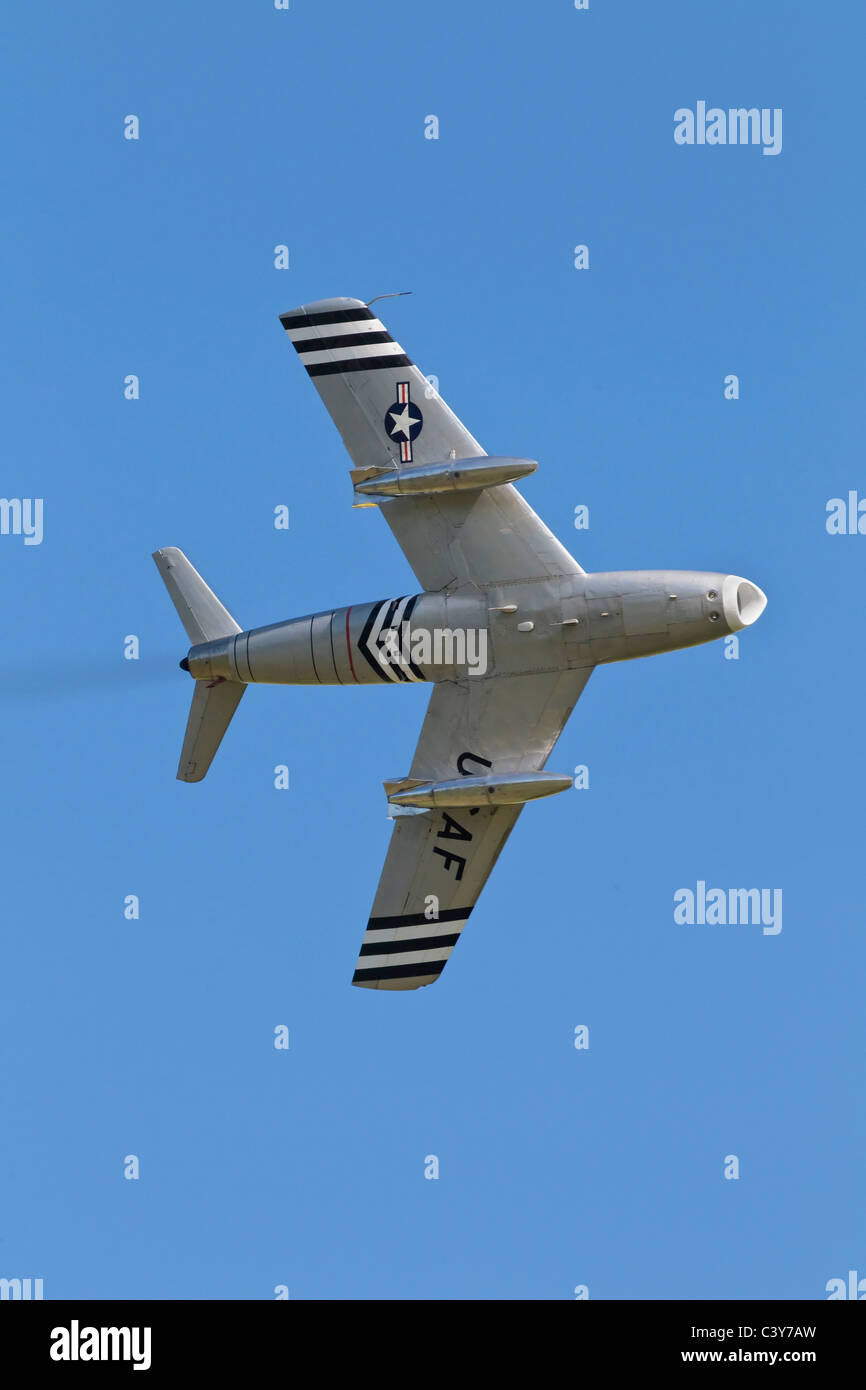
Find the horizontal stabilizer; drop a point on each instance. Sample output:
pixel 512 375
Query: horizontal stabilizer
pixel 198 607
pixel 213 704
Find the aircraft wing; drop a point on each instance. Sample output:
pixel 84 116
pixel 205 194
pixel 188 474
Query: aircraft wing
pixel 390 416
pixel 438 861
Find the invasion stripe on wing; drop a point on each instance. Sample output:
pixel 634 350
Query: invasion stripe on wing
pixel 429 944
pixel 336 330
pixel 360 364
pixel 392 939
pixel 422 947
pixel 363 342
pixel 302 320
pixel 346 340
pixel 426 948
pixel 384 348
pixel 418 919
pixel 397 972
pixel 370 957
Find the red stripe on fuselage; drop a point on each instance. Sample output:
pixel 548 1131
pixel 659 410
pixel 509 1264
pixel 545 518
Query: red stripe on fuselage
pixel 349 649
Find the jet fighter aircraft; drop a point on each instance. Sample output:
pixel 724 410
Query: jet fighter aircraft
pixel 507 628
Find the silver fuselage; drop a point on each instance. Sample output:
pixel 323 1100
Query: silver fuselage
pixel 539 624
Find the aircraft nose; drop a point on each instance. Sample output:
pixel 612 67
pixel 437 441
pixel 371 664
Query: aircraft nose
pixel 743 602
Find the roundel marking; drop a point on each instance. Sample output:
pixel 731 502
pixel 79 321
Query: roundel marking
pixel 404 422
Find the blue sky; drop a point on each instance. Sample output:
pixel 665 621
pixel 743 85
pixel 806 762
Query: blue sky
pixel 305 1168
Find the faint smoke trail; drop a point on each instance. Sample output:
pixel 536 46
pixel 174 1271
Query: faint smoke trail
pixel 62 678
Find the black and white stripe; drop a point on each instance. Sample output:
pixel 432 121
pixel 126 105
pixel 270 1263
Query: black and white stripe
pixel 387 614
pixel 343 340
pixel 408 946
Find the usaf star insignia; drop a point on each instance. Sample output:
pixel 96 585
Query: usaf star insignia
pixel 404 422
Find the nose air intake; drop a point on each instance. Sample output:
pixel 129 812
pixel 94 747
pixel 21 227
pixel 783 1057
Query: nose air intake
pixel 743 602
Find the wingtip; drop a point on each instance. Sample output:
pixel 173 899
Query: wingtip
pixel 165 552
pixel 292 317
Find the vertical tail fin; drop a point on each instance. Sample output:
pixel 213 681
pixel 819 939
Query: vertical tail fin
pixel 205 620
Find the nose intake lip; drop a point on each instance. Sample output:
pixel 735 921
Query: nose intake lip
pixel 743 602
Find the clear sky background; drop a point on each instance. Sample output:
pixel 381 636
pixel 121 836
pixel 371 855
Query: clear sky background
pixel 154 1037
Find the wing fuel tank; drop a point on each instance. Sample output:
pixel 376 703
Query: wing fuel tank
pixel 456 475
pixel 511 789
